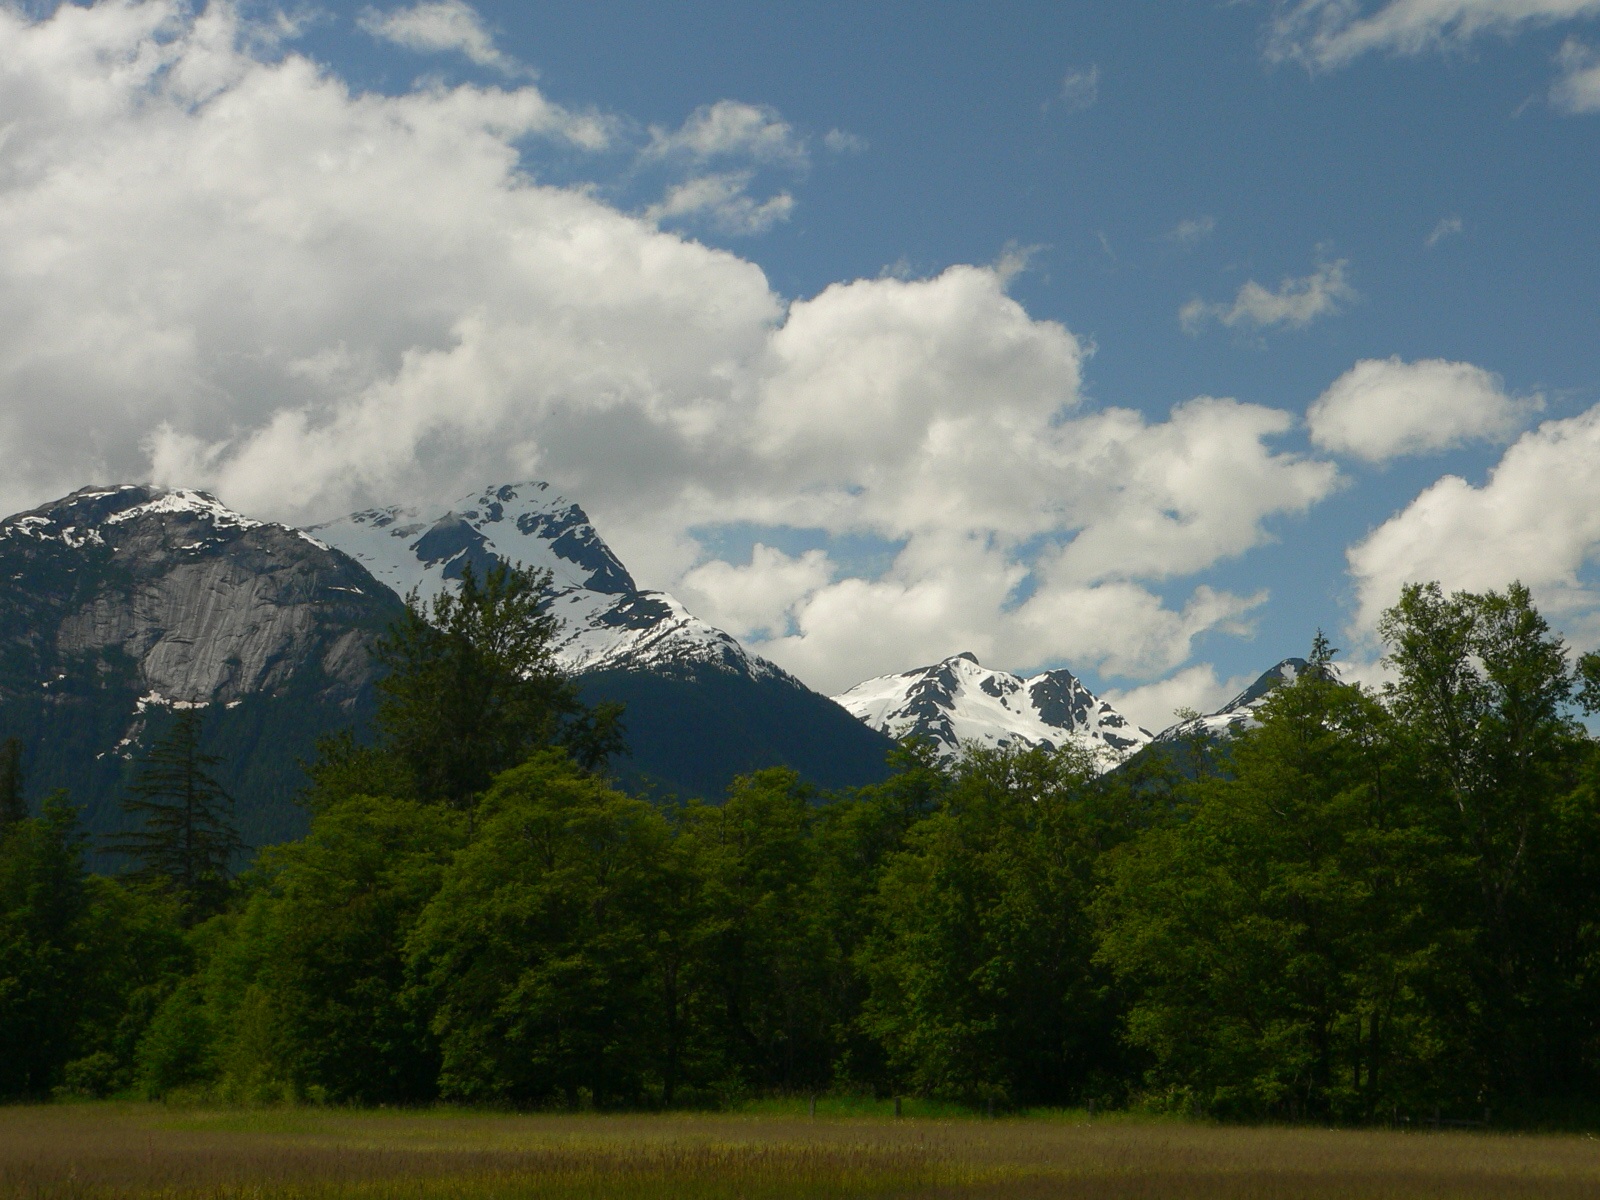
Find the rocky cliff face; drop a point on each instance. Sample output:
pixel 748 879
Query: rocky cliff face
pixel 121 603
pixel 205 605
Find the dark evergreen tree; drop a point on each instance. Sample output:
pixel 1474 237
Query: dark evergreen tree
pixel 13 807
pixel 42 899
pixel 473 689
pixel 186 839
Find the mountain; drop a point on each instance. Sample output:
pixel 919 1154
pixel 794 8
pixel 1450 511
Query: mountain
pixel 1239 713
pixel 607 621
pixel 700 708
pixel 125 604
pixel 122 604
pixel 959 700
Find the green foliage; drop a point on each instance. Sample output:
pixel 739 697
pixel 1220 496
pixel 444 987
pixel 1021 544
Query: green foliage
pixel 472 689
pixel 186 839
pixel 536 955
pixel 982 984
pixel 760 960
pixel 1484 690
pixel 83 961
pixel 1371 905
pixel 1284 942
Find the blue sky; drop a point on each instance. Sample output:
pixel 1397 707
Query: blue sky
pixel 1414 180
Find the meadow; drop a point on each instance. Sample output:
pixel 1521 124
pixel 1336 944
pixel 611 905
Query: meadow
pixel 137 1151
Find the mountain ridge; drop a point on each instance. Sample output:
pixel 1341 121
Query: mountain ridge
pixel 958 700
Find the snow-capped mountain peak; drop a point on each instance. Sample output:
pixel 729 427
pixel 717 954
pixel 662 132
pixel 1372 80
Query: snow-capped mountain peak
pixel 524 523
pixel 960 700
pixel 607 621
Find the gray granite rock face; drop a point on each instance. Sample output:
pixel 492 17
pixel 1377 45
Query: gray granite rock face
pixel 208 607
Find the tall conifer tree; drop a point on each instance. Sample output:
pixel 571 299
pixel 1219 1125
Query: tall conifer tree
pixel 187 839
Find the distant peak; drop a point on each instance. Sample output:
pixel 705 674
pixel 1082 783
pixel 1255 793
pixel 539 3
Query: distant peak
pixel 970 657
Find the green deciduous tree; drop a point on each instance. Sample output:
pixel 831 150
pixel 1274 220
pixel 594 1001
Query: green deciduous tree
pixel 1484 693
pixel 322 937
pixel 981 972
pixel 760 960
pixel 1288 944
pixel 537 956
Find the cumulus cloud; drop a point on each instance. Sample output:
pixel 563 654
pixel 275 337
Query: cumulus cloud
pixel 232 273
pixel 1383 408
pixel 1080 89
pixel 1536 518
pixel 1191 231
pixel 1327 34
pixel 756 600
pixel 727 130
pixel 731 128
pixel 725 200
pixel 441 26
pixel 1447 227
pixel 1296 303
pixel 1578 88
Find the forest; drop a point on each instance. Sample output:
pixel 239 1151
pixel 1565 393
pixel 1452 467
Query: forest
pixel 1376 906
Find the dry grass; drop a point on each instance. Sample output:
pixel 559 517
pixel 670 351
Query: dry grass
pixel 94 1151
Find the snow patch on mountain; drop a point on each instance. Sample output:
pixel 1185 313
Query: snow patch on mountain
pixel 79 520
pixel 607 621
pixel 1241 712
pixel 959 700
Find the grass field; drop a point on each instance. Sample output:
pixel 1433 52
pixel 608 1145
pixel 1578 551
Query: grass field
pixel 113 1150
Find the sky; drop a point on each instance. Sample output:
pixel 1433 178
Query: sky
pixel 1144 339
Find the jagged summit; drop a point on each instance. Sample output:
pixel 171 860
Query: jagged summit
pixel 608 621
pixel 958 700
pixel 413 549
pixel 1239 713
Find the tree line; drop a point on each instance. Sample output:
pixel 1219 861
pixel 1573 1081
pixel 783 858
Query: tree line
pixel 1375 905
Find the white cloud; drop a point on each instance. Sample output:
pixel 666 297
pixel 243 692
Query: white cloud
pixel 1296 303
pixel 1536 519
pixel 439 26
pixel 1333 33
pixel 1080 89
pixel 1447 227
pixel 236 274
pixel 1155 705
pixel 1383 408
pixel 841 142
pixel 731 129
pixel 724 200
pixel 1192 230
pixel 756 600
pixel 1578 88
